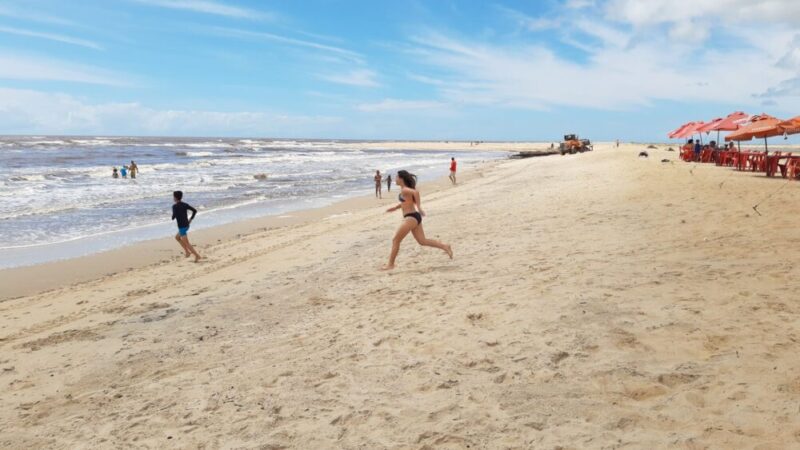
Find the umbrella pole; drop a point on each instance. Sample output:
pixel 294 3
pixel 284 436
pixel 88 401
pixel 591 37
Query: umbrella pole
pixel 739 159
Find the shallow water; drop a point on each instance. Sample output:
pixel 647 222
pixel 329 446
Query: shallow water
pixel 58 199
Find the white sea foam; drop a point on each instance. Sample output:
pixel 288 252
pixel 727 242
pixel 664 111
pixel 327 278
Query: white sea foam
pixel 56 189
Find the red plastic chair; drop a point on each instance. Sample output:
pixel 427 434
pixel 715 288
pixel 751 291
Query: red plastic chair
pixel 793 168
pixel 772 164
pixel 785 166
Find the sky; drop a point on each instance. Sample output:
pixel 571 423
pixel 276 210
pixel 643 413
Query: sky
pixel 401 69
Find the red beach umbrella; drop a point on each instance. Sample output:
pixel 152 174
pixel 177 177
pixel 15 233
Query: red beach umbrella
pixel 732 122
pixel 674 133
pixel 691 129
pixel 709 126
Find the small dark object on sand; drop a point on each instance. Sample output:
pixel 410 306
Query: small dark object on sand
pixel 670 149
pixel 665 161
pixel 643 155
pixel 652 146
pixel 260 176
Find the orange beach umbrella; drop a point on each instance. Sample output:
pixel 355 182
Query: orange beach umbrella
pixel 791 126
pixel 761 126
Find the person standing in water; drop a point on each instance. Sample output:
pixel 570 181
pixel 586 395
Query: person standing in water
pixel 378 184
pixel 389 183
pixel 453 170
pixel 411 204
pixel 114 173
pixel 180 213
pixel 124 171
pixel 134 169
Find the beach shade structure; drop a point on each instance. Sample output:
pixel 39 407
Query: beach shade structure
pixel 732 122
pixel 689 130
pixel 761 126
pixel 674 133
pixel 791 126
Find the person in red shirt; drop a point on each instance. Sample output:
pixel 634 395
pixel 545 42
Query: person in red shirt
pixel 453 170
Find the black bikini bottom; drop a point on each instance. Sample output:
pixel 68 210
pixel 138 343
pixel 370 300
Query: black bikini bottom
pixel 417 216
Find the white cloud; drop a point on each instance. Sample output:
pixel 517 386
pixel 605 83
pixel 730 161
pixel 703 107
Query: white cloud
pixel 635 53
pixel 354 77
pixel 28 111
pixel 393 105
pixel 530 23
pixel 579 4
pixel 209 7
pixel 33 16
pixel 642 13
pixel 23 67
pixel 51 37
pixel 688 31
pixel 615 76
pixel 261 35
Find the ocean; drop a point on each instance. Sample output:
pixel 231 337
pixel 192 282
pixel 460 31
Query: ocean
pixel 58 198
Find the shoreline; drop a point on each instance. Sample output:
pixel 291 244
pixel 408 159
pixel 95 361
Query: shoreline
pixel 48 276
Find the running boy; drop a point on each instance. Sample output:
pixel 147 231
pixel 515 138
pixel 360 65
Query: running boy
pixel 179 213
pixel 453 170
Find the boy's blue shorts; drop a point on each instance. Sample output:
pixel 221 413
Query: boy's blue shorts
pixel 183 230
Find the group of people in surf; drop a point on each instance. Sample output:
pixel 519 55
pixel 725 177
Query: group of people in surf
pixel 123 172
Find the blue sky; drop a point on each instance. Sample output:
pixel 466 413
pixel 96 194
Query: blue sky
pixel 506 70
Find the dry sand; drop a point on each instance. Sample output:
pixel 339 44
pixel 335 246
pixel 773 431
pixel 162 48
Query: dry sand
pixel 596 301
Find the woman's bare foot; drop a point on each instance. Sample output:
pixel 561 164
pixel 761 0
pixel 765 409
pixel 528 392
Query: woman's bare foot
pixel 387 267
pixel 187 254
pixel 449 251
pixel 197 258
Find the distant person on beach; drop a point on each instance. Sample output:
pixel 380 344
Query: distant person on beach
pixel 453 170
pixel 378 184
pixel 134 169
pixel 114 173
pixel 617 143
pixel 180 212
pixel 697 149
pixel 389 183
pixel 411 204
pixel 124 171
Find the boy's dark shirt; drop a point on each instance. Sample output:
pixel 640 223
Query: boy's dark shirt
pixel 179 212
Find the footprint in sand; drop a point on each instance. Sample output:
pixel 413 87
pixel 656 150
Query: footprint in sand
pixel 60 337
pixel 675 379
pixel 640 393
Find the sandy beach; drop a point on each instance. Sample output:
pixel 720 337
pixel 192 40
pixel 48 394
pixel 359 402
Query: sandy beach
pixel 597 300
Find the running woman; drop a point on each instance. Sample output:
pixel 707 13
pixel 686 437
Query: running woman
pixel 411 204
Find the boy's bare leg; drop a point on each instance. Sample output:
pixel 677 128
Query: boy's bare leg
pixel 185 240
pixel 183 246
